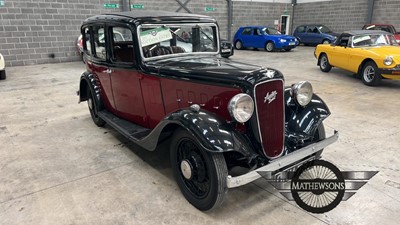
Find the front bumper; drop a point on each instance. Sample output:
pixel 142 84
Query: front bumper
pixel 295 158
pixel 393 71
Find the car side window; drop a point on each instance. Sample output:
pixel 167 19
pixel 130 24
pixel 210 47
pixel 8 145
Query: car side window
pixel 99 39
pixel 122 45
pixel 246 31
pixel 310 29
pixel 301 29
pixel 87 39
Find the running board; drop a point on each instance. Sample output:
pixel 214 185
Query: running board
pixel 130 130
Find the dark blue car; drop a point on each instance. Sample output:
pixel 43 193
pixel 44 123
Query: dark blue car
pixel 263 37
pixel 314 34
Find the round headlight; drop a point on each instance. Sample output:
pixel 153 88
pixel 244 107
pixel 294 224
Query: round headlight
pixel 388 61
pixel 241 107
pixel 302 92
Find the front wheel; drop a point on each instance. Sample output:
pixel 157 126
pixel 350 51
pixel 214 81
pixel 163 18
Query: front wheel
pixel 201 175
pixel 370 74
pixel 324 63
pixel 94 108
pixel 269 47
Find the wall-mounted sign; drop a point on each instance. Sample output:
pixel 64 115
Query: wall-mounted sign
pixel 111 6
pixel 1 3
pixel 137 6
pixel 208 9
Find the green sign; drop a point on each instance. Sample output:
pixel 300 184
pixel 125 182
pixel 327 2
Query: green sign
pixel 155 35
pixel 1 3
pixel 137 6
pixel 208 9
pixel 111 6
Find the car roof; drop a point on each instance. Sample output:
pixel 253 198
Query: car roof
pixel 361 32
pixel 255 27
pixel 150 16
pixel 311 25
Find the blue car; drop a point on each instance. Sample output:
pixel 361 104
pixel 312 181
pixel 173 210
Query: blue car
pixel 314 34
pixel 263 37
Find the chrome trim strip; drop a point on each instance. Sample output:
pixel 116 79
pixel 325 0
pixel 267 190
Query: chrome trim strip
pixel 284 161
pixel 258 118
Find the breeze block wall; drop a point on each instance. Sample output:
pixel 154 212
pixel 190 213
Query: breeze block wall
pixel 43 31
pixel 338 15
pixel 257 13
pixel 387 12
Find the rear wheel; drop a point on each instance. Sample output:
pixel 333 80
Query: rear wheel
pixel 238 45
pixel 201 175
pixel 3 75
pixel 94 108
pixel 370 74
pixel 326 41
pixel 269 46
pixel 324 63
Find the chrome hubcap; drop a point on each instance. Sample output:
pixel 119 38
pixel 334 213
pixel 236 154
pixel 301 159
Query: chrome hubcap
pixel 369 73
pixel 238 45
pixel 324 62
pixel 269 46
pixel 325 42
pixel 186 169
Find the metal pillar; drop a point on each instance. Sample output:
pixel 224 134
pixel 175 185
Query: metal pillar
pixel 230 19
pixel 125 5
pixel 370 11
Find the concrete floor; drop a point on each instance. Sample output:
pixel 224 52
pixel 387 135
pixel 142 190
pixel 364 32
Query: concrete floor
pixel 57 167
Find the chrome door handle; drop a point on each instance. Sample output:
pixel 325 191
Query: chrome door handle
pixel 109 71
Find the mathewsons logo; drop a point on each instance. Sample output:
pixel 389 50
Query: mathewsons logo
pixel 318 186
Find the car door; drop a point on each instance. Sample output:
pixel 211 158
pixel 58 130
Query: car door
pixel 124 75
pixel 300 33
pixel 258 38
pixel 339 56
pixel 95 48
pixel 246 37
pixel 137 95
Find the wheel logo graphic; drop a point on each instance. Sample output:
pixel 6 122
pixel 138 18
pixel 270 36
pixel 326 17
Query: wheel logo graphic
pixel 318 186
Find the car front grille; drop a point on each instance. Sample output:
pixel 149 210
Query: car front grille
pixel 270 113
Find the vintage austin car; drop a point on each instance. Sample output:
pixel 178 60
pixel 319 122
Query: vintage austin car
pixel 216 113
pixel 372 54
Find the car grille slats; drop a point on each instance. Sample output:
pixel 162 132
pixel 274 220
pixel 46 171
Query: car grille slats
pixel 271 116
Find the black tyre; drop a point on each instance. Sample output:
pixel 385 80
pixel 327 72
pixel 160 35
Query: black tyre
pixel 269 46
pixel 238 45
pixel 201 175
pixel 370 74
pixel 324 63
pixel 326 41
pixel 94 107
pixel 3 75
pixel 288 49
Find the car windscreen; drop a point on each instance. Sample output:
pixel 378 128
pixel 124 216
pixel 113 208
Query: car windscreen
pixel 373 40
pixel 324 29
pixel 270 30
pixel 170 39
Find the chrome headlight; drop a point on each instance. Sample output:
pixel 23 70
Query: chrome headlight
pixel 241 107
pixel 388 61
pixel 302 92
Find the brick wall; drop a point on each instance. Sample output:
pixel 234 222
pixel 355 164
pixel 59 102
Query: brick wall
pixel 387 12
pixel 339 15
pixel 257 13
pixel 33 31
pixel 43 31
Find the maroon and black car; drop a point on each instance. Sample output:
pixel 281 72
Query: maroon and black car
pixel 151 84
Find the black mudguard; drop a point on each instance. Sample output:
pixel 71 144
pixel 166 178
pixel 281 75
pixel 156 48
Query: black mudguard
pixel 304 121
pixel 88 81
pixel 211 131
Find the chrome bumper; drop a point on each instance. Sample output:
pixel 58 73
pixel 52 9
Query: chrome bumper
pixel 284 161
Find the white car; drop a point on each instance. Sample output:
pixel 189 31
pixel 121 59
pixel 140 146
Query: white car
pixel 2 68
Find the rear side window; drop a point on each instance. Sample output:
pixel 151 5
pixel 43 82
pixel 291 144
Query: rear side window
pixel 99 38
pixel 246 31
pixel 87 38
pixel 300 29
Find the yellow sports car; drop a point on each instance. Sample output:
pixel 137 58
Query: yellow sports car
pixel 372 54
